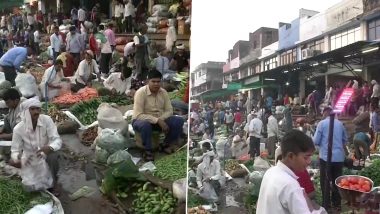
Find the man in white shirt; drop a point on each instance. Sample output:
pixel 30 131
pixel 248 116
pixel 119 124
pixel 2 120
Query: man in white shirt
pixel 37 40
pixel 272 129
pixel 239 146
pixel 280 192
pixel 255 127
pixel 30 19
pixel 129 14
pixel 120 82
pixel 36 136
pixel 229 120
pixel 119 10
pixel 81 16
pixel 209 173
pixel 84 73
pixel 375 90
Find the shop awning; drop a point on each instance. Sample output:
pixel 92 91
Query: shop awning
pixel 233 86
pixel 214 94
pixel 11 3
pixel 258 85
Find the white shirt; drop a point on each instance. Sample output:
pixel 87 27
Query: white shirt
pixel 81 15
pixel 213 172
pixel 129 49
pixel 194 115
pixel 56 42
pixel 376 91
pixel 282 196
pixel 45 134
pixel 255 127
pixel 136 39
pixel 229 118
pixel 272 126
pixel 129 10
pixel 30 20
pixel 114 82
pixel 85 70
pixel 201 127
pixel 36 36
pixel 119 10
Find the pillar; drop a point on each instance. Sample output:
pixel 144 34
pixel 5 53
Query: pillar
pixel 302 88
pixel 366 74
pixel 326 80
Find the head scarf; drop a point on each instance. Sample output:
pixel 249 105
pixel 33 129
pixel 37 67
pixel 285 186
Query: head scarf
pixel 25 114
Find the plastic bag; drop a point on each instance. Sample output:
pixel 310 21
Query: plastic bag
pixel 179 189
pixel 149 166
pixel 221 147
pixel 260 164
pixel 256 178
pixel 110 117
pixel 41 209
pixel 111 141
pixel 208 192
pixel 118 157
pixel 26 83
pixel 159 7
pixel 35 176
pixel 101 155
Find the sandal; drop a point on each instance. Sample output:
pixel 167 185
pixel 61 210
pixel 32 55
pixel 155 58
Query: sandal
pixel 148 156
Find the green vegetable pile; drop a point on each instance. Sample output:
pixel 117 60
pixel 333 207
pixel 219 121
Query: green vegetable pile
pixel 153 200
pixel 86 112
pixel 372 172
pixel 178 94
pixel 15 200
pixel 172 167
pixel 194 200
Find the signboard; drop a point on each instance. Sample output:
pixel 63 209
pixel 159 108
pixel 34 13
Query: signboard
pixel 252 80
pixel 344 98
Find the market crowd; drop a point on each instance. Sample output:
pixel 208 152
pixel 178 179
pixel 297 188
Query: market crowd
pixel 287 131
pixel 81 51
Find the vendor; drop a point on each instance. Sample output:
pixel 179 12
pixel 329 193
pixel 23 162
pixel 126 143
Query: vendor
pixel 120 82
pixel 36 133
pixel 53 81
pixel 362 143
pixel 11 61
pixel 209 173
pixel 84 73
pixel 181 59
pixel 13 100
pixel 239 146
pixel 68 63
pixel 152 110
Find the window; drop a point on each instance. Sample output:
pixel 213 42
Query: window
pixel 345 38
pixel 374 30
pixel 288 57
pixel 244 72
pixel 270 63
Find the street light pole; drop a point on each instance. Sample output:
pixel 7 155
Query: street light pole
pixel 328 179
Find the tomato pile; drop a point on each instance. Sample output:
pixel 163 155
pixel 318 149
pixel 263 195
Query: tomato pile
pixel 354 183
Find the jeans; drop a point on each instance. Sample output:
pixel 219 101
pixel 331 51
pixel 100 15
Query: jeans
pixel 145 128
pixel 333 197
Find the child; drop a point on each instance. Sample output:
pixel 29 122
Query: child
pixel 285 195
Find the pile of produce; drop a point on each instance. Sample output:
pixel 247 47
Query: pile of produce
pixel 355 183
pixel 57 115
pixel 15 199
pixel 181 87
pixel 70 98
pixel 198 210
pixel 172 167
pixel 120 100
pixel 234 169
pixel 86 112
pixel 194 201
pixel 153 200
pixel 37 72
pixel 372 172
pixel 89 135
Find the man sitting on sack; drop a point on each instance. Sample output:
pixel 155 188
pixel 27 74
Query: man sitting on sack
pixel 36 139
pixel 120 82
pixel 152 110
pixel 84 74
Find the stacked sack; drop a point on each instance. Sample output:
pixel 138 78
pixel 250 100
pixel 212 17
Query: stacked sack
pixel 158 22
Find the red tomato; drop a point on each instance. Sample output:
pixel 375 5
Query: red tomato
pixel 361 181
pixel 345 187
pixel 366 188
pixel 344 181
pixel 367 183
pixel 354 180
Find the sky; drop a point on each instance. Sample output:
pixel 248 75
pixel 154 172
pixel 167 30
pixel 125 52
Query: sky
pixel 217 25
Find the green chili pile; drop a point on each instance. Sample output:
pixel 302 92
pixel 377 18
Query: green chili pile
pixel 172 167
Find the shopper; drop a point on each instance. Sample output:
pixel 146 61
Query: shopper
pixel 280 191
pixel 255 128
pixel 338 156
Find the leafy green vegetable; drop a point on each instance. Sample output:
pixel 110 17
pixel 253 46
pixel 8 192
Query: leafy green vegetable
pixel 372 172
pixel 172 167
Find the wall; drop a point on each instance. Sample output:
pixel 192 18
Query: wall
pixel 288 37
pixel 211 71
pixel 259 38
pixel 312 27
pixel 269 50
pixel 342 13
